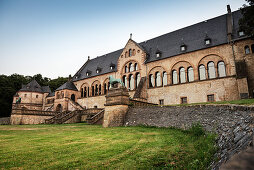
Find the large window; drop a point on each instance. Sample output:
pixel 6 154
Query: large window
pixel 130 52
pixel 247 49
pixel 131 67
pixel 151 81
pixel 105 88
pixel 125 81
pixel 126 69
pixel 136 66
pixel 157 79
pixel 211 70
pixel 202 72
pixel 190 74
pixel 221 69
pixel 174 75
pixel 82 92
pixel 182 75
pixel 137 80
pixel 131 82
pixel 165 79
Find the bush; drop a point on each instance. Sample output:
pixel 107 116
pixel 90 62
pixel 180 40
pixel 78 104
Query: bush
pixel 197 130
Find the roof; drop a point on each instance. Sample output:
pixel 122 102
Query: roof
pixel 51 94
pixel 169 44
pixel 68 85
pixel 34 86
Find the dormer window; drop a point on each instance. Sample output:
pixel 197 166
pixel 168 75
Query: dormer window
pixel 88 73
pixel 158 54
pixel 183 48
pixel 112 66
pixel 98 70
pixel 208 41
pixel 240 33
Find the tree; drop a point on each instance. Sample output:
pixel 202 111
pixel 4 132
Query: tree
pixel 247 22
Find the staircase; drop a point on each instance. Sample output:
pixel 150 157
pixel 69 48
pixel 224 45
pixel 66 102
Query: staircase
pixel 77 105
pixel 62 117
pixel 50 108
pixel 96 119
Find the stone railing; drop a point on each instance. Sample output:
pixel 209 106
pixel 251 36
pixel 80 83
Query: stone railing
pixel 33 112
pixel 96 117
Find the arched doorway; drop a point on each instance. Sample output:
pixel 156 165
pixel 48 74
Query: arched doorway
pixel 59 108
pixel 73 97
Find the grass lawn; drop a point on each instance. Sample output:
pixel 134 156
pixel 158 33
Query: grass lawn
pixel 81 146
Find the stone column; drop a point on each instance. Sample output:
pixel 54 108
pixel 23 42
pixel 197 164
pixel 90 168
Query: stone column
pixel 116 107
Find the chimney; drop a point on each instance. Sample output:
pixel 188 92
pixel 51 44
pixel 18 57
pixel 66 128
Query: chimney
pixel 69 79
pixel 229 24
pixel 88 58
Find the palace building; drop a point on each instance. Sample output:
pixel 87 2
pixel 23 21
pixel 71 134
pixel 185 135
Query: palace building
pixel 205 62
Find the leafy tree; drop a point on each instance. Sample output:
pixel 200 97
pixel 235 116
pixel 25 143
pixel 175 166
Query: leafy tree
pixel 247 22
pixel 9 85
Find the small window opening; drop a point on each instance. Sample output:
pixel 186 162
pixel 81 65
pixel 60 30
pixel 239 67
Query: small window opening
pixel 210 98
pixel 183 100
pixel 161 102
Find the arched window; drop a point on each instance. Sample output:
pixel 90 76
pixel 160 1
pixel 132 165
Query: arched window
pixel 88 92
pixel 247 49
pixel 131 67
pixel 57 95
pixel 105 88
pixel 130 52
pixel 182 75
pixel 137 80
pixel 174 75
pixel 157 79
pixel 202 72
pixel 96 90
pixel 99 89
pixel 252 48
pixel 85 92
pixel 165 78
pixel 221 69
pixel 136 66
pixel 92 90
pixel 190 74
pixel 125 81
pixel 211 70
pixel 151 81
pixel 62 94
pixel 126 69
pixel 82 92
pixel 131 82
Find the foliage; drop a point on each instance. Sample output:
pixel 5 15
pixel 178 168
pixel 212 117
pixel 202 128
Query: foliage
pixel 197 130
pixel 247 22
pixel 9 85
pixel 81 146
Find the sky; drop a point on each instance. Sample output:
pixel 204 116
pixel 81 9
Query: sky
pixel 55 37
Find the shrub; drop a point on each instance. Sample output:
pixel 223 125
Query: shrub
pixel 197 130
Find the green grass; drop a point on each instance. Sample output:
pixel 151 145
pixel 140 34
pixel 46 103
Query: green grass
pixel 237 102
pixel 81 146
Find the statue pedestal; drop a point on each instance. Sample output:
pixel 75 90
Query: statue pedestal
pixel 116 107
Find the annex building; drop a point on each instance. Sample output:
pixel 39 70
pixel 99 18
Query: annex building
pixel 205 62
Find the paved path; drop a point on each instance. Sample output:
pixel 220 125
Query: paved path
pixel 241 161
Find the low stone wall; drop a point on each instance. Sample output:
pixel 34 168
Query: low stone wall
pixel 28 119
pixel 233 124
pixel 5 121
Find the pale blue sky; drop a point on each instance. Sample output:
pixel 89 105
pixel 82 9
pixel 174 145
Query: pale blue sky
pixel 54 37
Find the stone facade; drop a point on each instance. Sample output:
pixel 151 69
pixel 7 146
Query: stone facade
pixel 233 124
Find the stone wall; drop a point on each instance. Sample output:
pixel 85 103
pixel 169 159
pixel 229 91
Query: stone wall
pixel 233 124
pixel 28 119
pixel 5 121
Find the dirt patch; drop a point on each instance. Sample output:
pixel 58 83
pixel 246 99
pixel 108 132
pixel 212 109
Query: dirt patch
pixel 16 128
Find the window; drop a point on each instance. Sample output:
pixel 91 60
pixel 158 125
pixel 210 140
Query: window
pixel 252 48
pixel 130 52
pixel 241 33
pixel 183 48
pixel 96 90
pixel 88 92
pixel 105 88
pixel 157 79
pixel 136 66
pixel 112 66
pixel 82 92
pixel 158 54
pixel 151 81
pixel 131 82
pixel 92 90
pixel 85 92
pixel 174 75
pixel 210 98
pixel 98 71
pixel 182 75
pixel 137 80
pixel 202 72
pixel 165 79
pixel 211 70
pixel 126 69
pixel 183 100
pixel 161 102
pixel 131 67
pixel 125 81
pixel 221 69
pixel 99 89
pixel 190 74
pixel 247 49
pixel 207 41
pixel 126 54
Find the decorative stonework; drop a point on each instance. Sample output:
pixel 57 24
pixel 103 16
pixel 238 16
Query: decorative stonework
pixel 116 107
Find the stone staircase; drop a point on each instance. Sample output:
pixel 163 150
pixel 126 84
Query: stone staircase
pixel 93 117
